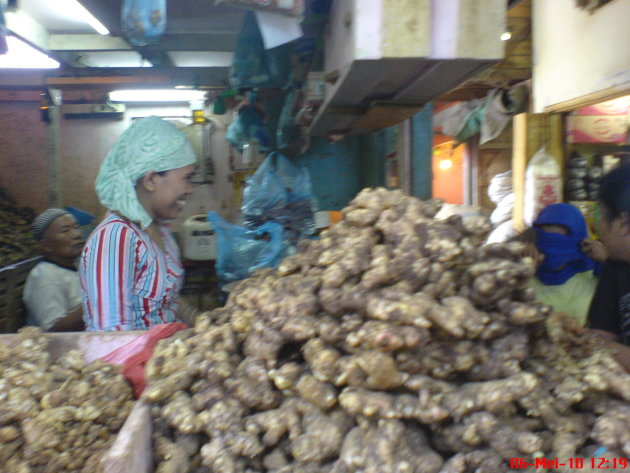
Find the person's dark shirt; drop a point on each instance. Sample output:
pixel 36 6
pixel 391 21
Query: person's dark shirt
pixel 610 307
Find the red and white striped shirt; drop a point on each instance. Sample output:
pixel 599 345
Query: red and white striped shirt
pixel 128 282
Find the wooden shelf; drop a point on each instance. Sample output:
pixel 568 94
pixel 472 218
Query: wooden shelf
pixel 389 64
pixel 376 94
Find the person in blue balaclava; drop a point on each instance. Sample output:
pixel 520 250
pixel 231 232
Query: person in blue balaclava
pixel 565 276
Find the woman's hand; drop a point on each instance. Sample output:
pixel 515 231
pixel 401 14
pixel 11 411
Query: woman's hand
pixel 595 250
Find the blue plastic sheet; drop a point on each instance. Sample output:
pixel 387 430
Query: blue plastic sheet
pixel 241 251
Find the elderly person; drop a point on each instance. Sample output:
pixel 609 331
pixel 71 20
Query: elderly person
pixel 130 268
pixel 52 294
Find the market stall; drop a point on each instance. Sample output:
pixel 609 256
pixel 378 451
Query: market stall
pixel 332 326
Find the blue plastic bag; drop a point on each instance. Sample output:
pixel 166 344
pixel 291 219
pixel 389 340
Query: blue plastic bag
pixel 280 192
pixel 248 126
pixel 241 251
pixel 254 66
pixel 143 21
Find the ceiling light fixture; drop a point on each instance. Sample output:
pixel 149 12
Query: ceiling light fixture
pixel 446 164
pixel 74 9
pixel 155 95
pixel 506 35
pixel 23 56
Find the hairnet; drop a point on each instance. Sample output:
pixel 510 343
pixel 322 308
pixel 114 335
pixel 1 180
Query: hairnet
pixel 149 144
pixel 44 219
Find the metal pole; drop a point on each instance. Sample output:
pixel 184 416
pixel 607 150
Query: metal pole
pixel 52 153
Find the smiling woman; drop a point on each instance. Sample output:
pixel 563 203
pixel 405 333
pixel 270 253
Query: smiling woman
pixel 130 269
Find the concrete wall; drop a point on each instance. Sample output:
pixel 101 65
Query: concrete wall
pixel 85 143
pixel 338 171
pixel 82 147
pixel 576 53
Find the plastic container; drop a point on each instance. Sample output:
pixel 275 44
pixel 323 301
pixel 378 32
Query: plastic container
pixel 198 239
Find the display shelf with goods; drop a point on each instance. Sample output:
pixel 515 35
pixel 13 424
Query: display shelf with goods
pixel 582 172
pixel 585 165
pixel 596 140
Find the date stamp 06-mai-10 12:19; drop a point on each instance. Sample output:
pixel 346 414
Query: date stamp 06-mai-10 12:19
pixel 577 463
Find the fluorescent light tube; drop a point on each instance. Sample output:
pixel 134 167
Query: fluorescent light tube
pixel 155 95
pixel 23 56
pixel 74 9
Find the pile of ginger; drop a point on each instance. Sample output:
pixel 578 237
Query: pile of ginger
pixel 395 343
pixel 57 415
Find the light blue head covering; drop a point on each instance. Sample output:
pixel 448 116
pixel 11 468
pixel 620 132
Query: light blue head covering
pixel 149 144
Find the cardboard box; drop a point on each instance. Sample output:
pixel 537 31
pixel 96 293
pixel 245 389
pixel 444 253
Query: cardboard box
pixel 597 129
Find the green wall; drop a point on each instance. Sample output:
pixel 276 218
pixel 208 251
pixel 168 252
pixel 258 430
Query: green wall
pixel 334 170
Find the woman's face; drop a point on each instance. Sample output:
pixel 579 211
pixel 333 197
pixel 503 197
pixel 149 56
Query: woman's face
pixel 172 189
pixel 614 233
pixel 63 238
